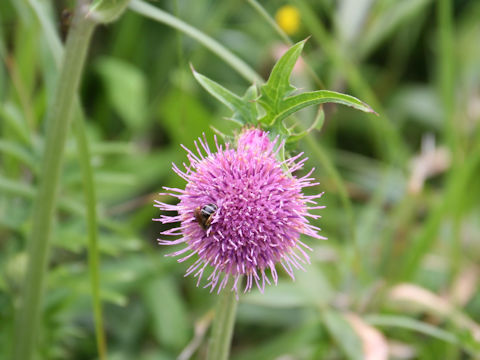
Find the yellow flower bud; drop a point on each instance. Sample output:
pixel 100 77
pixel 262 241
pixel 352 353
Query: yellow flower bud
pixel 288 18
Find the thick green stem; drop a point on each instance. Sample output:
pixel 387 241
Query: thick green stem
pixel 29 311
pixel 57 51
pixel 222 329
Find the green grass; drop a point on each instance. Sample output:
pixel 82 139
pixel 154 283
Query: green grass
pixel 415 62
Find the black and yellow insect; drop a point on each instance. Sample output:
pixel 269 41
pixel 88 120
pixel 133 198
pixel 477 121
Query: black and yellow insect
pixel 204 215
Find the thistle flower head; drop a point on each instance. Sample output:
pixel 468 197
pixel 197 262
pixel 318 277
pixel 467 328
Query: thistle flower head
pixel 242 211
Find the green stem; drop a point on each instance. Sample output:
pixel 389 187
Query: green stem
pixel 29 311
pixel 222 329
pixel 91 213
pixel 57 51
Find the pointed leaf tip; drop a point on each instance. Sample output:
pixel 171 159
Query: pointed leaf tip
pixel 278 84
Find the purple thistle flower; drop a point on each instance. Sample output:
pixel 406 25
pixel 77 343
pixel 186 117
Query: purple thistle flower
pixel 242 211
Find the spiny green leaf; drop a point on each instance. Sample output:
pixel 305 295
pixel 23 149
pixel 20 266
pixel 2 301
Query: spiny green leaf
pixel 297 102
pixel 278 85
pixel 244 109
pixel 275 99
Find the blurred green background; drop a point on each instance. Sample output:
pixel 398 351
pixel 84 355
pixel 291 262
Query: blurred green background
pixel 399 274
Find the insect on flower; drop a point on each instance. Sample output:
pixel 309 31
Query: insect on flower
pixel 204 215
pixel 242 212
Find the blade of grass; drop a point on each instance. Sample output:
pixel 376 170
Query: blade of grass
pixel 411 324
pixel 457 183
pixel 53 40
pixel 446 69
pixel 92 227
pixel 29 311
pixel 218 49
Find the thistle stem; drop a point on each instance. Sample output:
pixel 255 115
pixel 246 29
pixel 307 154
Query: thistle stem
pixel 222 329
pixel 29 311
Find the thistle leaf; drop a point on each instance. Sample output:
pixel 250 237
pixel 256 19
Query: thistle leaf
pixel 244 109
pixel 277 99
pixel 278 85
pixel 250 101
pixel 295 103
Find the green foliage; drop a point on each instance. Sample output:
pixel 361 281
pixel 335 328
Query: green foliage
pixel 278 86
pixel 126 89
pixel 276 97
pixel 343 334
pixel 164 291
